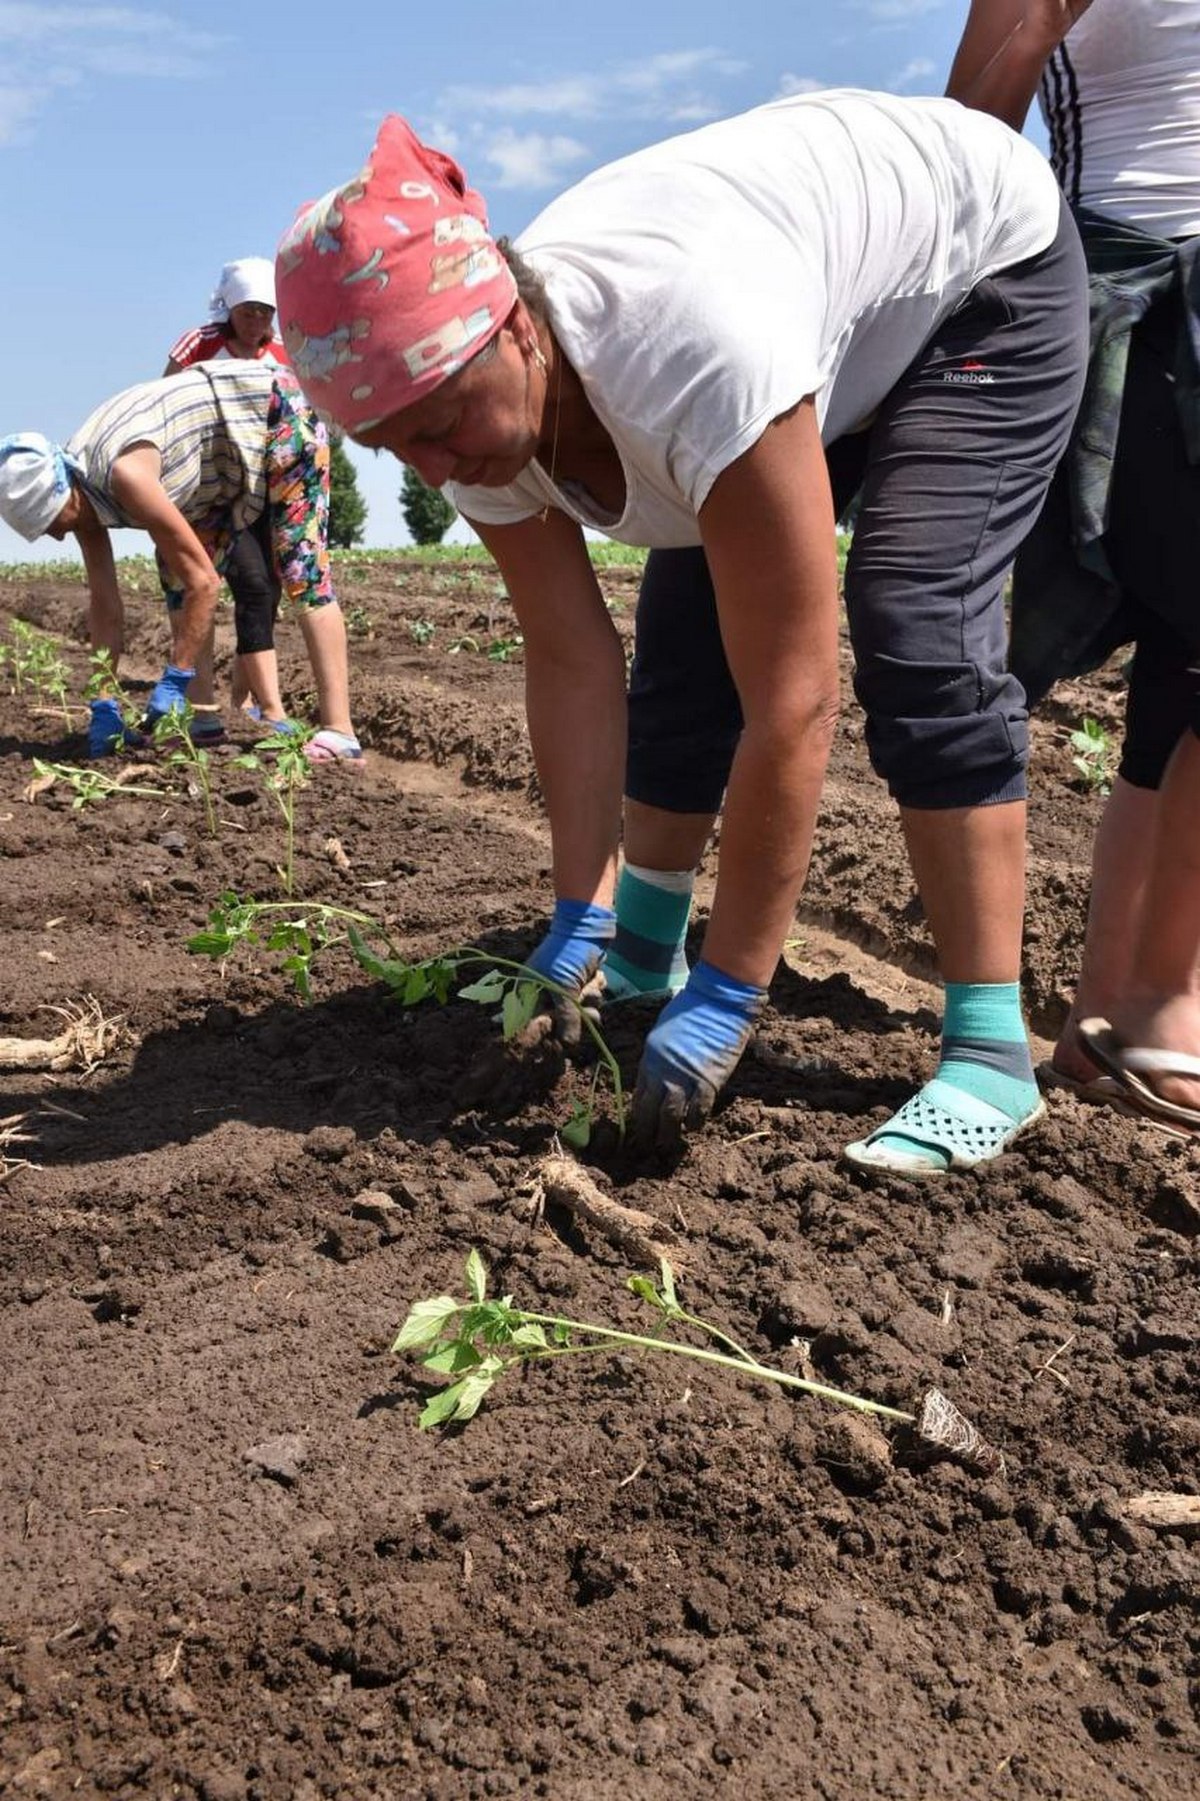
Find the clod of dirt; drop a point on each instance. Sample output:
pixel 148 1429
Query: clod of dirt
pixel 856 1454
pixel 375 1205
pixel 799 1310
pixel 280 1458
pixel 329 1144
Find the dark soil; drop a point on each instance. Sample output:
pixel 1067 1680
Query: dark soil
pixel 230 1564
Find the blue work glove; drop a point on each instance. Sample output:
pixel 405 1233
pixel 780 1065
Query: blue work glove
pixel 106 731
pixel 169 693
pixel 690 1055
pixel 571 954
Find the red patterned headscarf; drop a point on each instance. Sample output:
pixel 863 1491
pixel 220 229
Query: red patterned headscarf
pixel 390 283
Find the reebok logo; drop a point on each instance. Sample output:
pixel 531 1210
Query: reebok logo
pixel 971 375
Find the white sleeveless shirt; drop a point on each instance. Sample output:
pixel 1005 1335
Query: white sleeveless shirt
pixel 1121 101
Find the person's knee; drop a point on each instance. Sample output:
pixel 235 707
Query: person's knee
pixel 944 737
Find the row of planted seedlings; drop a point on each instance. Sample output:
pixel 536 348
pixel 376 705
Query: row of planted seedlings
pixel 475 1340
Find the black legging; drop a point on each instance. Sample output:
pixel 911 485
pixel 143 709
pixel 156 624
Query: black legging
pixel 255 586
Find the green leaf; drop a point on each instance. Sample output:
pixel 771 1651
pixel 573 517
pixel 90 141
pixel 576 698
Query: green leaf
pixel 476 1276
pixel 210 944
pixel 487 990
pixel 441 1408
pixel 452 1359
pixel 577 1131
pixel 426 1321
pixel 520 1004
pixel 645 1290
pixel 474 1387
pixel 512 1014
pixel 529 1335
pixel 667 1279
pixel 461 1400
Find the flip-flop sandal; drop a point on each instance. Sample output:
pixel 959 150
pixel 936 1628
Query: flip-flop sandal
pixel 1128 1065
pixel 333 747
pixel 1103 1091
pixel 957 1127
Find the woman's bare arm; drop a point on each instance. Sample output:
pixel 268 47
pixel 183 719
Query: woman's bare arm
pixel 574 695
pixel 1003 50
pixel 768 530
pixel 138 491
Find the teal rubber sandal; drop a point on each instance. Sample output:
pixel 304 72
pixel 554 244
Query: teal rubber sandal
pixel 953 1124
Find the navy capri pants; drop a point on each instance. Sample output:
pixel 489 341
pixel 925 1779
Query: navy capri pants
pixel 952 473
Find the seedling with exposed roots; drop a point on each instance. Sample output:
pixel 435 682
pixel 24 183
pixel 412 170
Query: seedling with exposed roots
pixel 516 992
pixel 476 1341
pixel 88 785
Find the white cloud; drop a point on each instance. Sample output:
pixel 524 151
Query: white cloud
pixel 914 77
pixel 797 84
pixel 669 87
pixel 17 107
pixel 531 159
pixel 896 12
pixel 112 41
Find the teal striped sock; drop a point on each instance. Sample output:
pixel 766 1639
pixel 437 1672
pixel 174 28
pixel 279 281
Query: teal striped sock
pixel 985 1053
pixel 647 955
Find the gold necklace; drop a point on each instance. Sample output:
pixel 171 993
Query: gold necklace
pixel 546 510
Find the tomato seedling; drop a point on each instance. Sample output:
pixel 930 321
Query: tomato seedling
pixel 476 1341
pixel 298 929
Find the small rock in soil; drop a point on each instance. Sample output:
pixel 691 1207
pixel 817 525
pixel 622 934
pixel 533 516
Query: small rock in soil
pixel 280 1458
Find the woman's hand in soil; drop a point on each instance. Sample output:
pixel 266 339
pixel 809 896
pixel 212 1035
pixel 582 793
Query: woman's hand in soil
pixel 690 1055
pixel 571 954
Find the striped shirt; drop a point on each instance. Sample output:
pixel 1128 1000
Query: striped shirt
pixel 207 342
pixel 209 425
pixel 1121 101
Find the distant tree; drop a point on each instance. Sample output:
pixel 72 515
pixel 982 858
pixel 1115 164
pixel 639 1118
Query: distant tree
pixel 427 513
pixel 347 508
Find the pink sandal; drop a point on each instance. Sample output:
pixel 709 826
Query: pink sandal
pixel 333 747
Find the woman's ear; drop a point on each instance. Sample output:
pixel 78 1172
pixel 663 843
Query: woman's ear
pixel 524 332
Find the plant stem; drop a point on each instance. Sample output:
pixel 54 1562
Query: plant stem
pixel 747 1366
pixel 589 1024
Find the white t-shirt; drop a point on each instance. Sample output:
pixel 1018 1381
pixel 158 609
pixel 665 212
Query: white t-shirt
pixel 1121 101
pixel 705 286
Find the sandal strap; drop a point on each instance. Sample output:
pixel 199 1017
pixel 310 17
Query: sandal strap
pixel 941 1117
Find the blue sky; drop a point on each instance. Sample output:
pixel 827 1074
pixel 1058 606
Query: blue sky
pixel 142 146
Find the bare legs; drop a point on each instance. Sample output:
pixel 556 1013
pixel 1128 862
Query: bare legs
pixel 970 868
pixel 324 632
pixel 1121 853
pixel 655 839
pixel 256 677
pixel 969 863
pixel 1141 962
